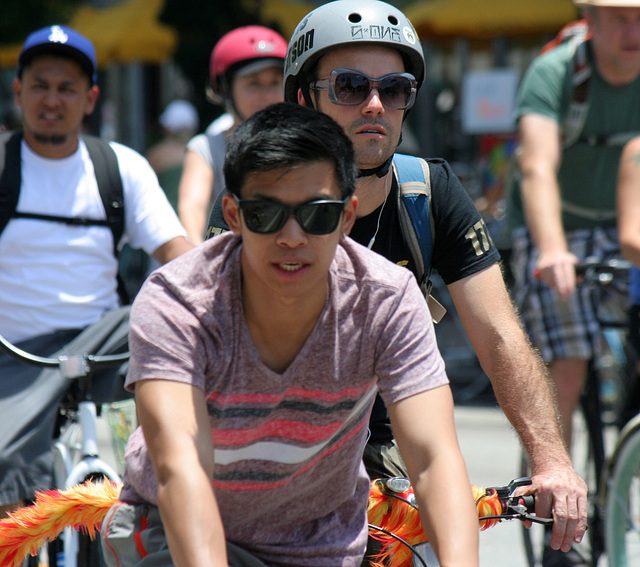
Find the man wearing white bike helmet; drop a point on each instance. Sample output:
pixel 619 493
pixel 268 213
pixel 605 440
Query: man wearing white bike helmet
pixel 361 63
pixel 246 76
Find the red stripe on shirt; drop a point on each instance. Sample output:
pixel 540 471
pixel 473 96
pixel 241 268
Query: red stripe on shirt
pixel 280 428
pixel 266 486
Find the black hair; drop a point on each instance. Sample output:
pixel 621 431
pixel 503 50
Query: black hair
pixel 287 134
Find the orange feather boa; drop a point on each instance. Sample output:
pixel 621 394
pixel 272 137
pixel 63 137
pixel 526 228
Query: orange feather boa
pixel 403 520
pixel 27 529
pixel 84 507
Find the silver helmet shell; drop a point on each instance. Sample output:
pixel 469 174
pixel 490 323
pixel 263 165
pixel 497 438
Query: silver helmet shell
pixel 350 22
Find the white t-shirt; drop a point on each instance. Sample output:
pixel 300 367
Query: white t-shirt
pixel 55 276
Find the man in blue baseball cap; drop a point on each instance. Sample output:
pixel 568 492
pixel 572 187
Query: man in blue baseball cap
pixel 56 88
pixel 75 199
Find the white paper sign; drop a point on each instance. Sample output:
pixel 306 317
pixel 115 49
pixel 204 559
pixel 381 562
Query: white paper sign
pixel 488 101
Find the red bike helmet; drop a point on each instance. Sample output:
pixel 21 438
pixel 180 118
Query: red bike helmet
pixel 250 49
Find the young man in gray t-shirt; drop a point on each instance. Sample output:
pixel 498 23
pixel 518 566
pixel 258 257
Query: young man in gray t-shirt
pixel 255 363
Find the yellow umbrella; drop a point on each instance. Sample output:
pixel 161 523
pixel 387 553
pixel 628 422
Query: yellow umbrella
pixel 481 19
pixel 129 31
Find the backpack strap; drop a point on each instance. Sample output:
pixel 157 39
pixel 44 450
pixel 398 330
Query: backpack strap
pixel 580 82
pixel 416 220
pixel 10 175
pixel 107 172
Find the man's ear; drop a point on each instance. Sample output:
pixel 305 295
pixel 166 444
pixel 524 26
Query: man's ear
pixel 17 91
pixel 301 100
pixel 231 213
pixel 349 214
pixel 92 96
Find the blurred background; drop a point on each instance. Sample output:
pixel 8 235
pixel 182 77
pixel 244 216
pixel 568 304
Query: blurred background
pixel 151 52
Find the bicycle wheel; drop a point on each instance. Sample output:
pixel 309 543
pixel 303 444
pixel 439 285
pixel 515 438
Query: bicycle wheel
pixel 533 537
pixel 89 551
pixel 622 519
pixel 588 460
pixel 588 456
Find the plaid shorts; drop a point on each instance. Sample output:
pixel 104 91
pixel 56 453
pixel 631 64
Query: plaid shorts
pixel 564 329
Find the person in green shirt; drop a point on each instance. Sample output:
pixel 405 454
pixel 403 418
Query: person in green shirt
pixel 564 208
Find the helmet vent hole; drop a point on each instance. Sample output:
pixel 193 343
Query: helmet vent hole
pixel 354 18
pixel 393 20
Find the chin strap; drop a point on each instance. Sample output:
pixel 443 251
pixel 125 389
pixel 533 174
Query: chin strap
pixel 380 171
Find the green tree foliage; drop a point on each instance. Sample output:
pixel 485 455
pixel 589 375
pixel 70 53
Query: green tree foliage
pixel 18 18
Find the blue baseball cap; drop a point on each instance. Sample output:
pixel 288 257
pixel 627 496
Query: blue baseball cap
pixel 63 41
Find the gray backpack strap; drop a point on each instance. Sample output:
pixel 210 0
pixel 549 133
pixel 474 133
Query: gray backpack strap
pixel 580 82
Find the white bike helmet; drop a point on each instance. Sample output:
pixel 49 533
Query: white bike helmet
pixel 348 22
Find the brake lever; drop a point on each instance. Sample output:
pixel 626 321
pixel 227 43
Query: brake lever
pixel 511 502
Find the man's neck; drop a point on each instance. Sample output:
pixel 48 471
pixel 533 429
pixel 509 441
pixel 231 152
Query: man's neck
pixel 279 329
pixel 372 192
pixel 616 75
pixel 50 150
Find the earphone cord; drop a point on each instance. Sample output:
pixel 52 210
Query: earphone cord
pixel 386 194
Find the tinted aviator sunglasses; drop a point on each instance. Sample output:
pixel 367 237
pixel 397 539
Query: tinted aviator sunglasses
pixel 348 88
pixel 314 217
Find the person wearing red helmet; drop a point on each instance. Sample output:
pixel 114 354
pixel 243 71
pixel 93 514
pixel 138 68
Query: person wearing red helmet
pixel 245 76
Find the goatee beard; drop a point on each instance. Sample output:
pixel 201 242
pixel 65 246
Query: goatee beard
pixel 54 140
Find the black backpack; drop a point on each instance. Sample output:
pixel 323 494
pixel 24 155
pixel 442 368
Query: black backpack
pixel 107 172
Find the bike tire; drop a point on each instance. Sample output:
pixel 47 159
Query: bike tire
pixel 622 518
pixel 532 537
pixel 89 551
pixel 595 462
pixel 588 456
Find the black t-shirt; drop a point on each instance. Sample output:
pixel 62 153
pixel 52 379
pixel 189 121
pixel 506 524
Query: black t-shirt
pixel 461 244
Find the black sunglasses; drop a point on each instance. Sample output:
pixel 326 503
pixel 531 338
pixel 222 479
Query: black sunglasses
pixel 348 88
pixel 314 217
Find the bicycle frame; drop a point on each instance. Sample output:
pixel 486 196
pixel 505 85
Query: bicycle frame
pixel 74 464
pixel 89 466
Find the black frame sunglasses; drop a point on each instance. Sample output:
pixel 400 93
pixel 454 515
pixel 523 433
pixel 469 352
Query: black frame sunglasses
pixel 315 217
pixel 348 88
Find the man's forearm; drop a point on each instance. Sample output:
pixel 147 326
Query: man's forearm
pixel 192 522
pixel 525 394
pixel 517 373
pixel 543 210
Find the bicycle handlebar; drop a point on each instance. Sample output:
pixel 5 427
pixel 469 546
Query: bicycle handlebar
pixel 511 507
pixel 71 366
pixel 594 271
